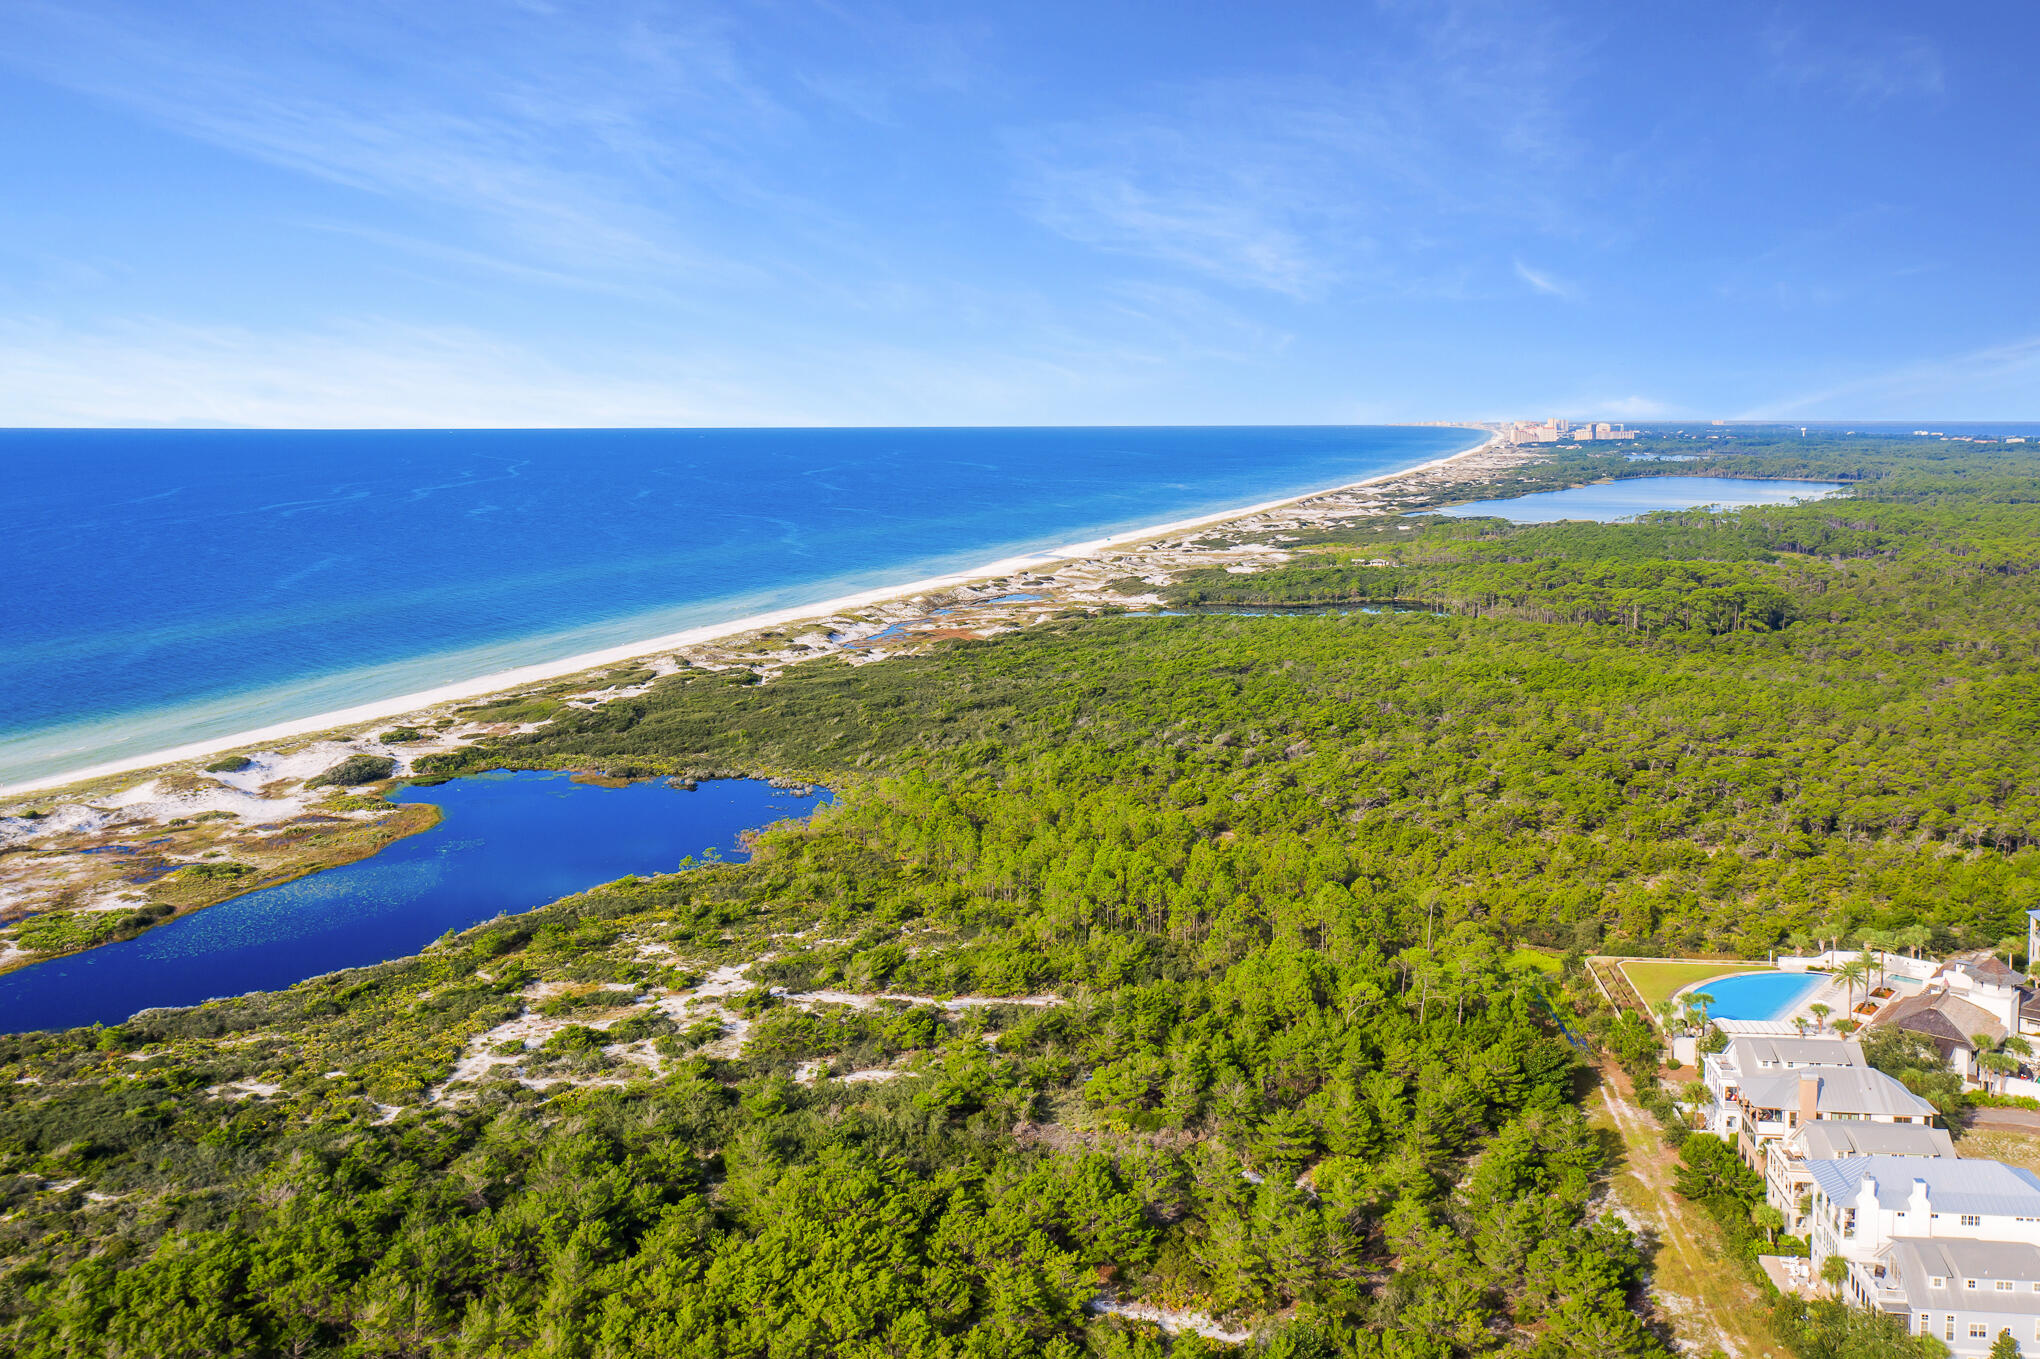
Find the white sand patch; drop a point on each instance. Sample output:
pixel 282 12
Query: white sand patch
pixel 115 899
pixel 1171 1320
pixel 530 1030
pixel 245 1090
pixel 71 818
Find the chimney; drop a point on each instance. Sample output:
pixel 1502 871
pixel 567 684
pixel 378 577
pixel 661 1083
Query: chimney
pixel 1809 1097
pixel 1919 1210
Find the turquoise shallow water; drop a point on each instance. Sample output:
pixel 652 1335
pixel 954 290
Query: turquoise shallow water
pixel 1759 995
pixel 1631 496
pixel 507 843
pixel 167 586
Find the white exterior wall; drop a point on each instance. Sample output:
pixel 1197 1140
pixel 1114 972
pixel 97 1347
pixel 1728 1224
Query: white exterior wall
pixel 1858 1230
pixel 1948 1319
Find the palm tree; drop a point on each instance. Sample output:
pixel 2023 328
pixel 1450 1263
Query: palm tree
pixel 1820 1014
pixel 1700 1000
pixel 1850 974
pixel 1799 1023
pixel 2000 1059
pixel 1916 937
pixel 1667 1009
pixel 1877 943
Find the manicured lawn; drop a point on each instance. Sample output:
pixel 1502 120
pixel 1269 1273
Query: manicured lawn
pixel 1656 980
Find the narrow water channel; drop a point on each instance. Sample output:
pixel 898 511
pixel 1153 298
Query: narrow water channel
pixel 509 842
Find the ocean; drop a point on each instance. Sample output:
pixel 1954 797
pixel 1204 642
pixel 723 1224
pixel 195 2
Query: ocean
pixel 170 586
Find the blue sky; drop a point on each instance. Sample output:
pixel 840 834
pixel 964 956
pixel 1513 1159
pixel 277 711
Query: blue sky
pixel 369 213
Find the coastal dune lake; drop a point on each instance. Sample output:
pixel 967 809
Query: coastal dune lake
pixel 172 586
pixel 1632 496
pixel 508 842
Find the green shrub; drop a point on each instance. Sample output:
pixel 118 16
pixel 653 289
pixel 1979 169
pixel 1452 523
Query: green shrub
pixel 355 769
pixel 519 710
pixel 576 1038
pixel 223 871
pixel 229 764
pixel 399 735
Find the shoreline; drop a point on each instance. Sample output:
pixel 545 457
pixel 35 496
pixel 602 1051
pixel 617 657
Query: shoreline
pixel 496 682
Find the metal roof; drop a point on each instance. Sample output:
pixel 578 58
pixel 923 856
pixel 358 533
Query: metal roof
pixel 1745 1053
pixel 1843 1090
pixel 1911 1263
pixel 1990 1188
pixel 1829 1139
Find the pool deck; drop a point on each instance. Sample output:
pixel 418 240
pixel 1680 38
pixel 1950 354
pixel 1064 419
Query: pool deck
pixel 1830 992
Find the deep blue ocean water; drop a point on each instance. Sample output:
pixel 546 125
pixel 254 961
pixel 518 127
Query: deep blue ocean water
pixel 166 586
pixel 508 843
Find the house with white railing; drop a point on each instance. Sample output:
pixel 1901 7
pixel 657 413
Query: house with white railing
pixel 1788 1183
pixel 1864 1203
pixel 1962 1293
pixel 1747 1058
pixel 1769 1107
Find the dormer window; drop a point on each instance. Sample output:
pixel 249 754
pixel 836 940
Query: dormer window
pixel 1972 1220
pixel 1941 1281
pixel 1969 1284
pixel 2004 1285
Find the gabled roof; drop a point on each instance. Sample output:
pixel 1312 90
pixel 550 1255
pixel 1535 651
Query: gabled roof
pixel 1745 1054
pixel 1985 966
pixel 1917 1260
pixel 1830 1139
pixel 1842 1090
pixel 1987 1187
pixel 1941 1016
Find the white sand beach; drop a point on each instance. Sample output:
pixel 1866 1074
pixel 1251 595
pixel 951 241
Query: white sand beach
pixel 483 685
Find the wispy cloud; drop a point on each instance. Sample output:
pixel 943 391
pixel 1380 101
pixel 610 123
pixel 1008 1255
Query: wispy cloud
pixel 589 144
pixel 1860 64
pixel 1545 282
pixel 383 373
pixel 369 374
pixel 2000 381
pixel 1305 184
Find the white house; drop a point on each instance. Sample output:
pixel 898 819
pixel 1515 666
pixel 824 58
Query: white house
pixel 1864 1203
pixel 1962 1293
pixel 1771 1105
pixel 1788 1182
pixel 1724 1072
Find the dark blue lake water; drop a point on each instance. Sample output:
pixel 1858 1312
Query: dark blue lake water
pixel 168 586
pixel 508 843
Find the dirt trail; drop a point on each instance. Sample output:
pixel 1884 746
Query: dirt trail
pixel 1709 1301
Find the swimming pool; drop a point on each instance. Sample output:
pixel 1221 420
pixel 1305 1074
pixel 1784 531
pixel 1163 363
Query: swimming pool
pixel 1759 995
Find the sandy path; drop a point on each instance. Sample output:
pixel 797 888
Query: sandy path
pixel 1705 1293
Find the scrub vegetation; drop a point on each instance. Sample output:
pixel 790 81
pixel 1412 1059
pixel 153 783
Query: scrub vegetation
pixel 1267 886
